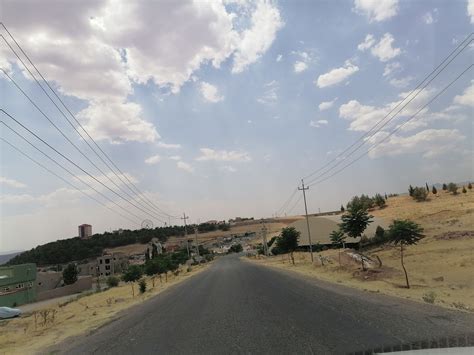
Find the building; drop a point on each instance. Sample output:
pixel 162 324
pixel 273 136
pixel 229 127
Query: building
pixel 322 226
pixel 154 244
pixel 111 264
pixel 17 284
pixel 85 231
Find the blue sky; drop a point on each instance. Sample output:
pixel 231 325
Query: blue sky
pixel 218 109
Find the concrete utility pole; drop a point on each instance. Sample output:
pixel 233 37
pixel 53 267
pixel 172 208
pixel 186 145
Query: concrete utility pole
pixel 302 188
pixel 196 240
pixel 186 233
pixel 264 235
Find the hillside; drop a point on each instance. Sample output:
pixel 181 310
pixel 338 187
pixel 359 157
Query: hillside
pixel 439 266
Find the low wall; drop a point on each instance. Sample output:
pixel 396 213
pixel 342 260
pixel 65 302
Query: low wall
pixel 82 284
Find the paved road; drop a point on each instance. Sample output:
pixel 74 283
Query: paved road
pixel 238 307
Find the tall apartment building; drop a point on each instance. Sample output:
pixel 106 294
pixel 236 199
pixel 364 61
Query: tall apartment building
pixel 85 230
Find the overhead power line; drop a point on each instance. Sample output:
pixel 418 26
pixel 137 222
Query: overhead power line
pixel 77 166
pixel 136 222
pixel 129 184
pixel 397 128
pixel 287 202
pixel 424 83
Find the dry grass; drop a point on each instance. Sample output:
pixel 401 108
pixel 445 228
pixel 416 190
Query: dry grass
pixel 440 267
pixel 24 335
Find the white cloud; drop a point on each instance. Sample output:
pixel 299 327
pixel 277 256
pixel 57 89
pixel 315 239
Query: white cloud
pixel 169 145
pixel 319 123
pixel 12 183
pixel 470 9
pixel 210 93
pixel 391 68
pixel 430 143
pixel 326 105
pixel 279 57
pixel 208 154
pixel 265 23
pixel 270 95
pixel 335 76
pixel 430 17
pixel 153 160
pixel 467 97
pixel 59 197
pixel 402 82
pixel 97 50
pixel 384 50
pixel 228 168
pixel 376 10
pixel 175 157
pixel 184 166
pixel 300 66
pixel 368 42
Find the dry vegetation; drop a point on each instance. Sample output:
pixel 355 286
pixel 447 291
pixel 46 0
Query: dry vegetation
pixel 45 327
pixel 441 266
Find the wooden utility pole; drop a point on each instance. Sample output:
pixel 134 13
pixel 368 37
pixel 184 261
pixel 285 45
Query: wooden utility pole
pixel 264 235
pixel 302 188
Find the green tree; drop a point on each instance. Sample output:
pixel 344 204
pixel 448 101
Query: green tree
pixel 132 274
pixel 288 241
pixel 469 186
pixel 403 233
pixel 379 234
pixel 427 187
pixel 379 200
pixel 419 194
pixel 445 187
pixel 464 189
pixel 236 248
pixel 342 208
pixel 354 223
pixel 434 191
pixel 364 202
pixel 410 190
pixel 112 281
pixel 453 188
pixel 142 285
pixel 70 274
pixel 337 238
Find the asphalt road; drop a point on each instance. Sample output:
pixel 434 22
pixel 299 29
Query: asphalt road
pixel 241 308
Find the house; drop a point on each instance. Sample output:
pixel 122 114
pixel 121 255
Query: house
pixel 17 284
pixel 111 264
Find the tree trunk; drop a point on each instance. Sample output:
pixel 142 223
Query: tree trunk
pixel 161 281
pixel 166 276
pixel 292 258
pixel 153 281
pixel 403 265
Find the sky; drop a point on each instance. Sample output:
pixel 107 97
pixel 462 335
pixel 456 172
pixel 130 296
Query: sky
pixel 219 108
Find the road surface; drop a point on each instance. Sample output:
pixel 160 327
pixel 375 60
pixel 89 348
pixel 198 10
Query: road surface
pixel 236 307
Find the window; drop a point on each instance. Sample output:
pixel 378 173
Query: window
pixel 107 261
pixel 107 267
pixel 100 261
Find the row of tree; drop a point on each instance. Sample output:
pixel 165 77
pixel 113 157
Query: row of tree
pixel 421 193
pixel 366 202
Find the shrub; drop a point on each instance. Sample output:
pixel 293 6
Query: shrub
pixel 132 274
pixel 410 190
pixel 142 285
pixel 337 238
pixel 429 297
pixel 70 274
pixel 464 190
pixel 434 191
pixel 453 188
pixel 419 194
pixel 342 208
pixel 379 200
pixel 379 234
pixel 112 281
pixel 236 248
pixel 445 187
pixel 469 186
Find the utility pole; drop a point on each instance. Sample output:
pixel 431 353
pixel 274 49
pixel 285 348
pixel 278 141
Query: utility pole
pixel 196 240
pixel 264 235
pixel 302 188
pixel 186 233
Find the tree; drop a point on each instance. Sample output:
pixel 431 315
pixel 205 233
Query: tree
pixel 434 191
pixel 403 233
pixel 453 188
pixel 410 190
pixel 112 281
pixel 469 186
pixel 386 197
pixel 132 274
pixel 288 241
pixel 236 248
pixel 427 187
pixel 342 208
pixel 142 285
pixel 70 274
pixel 354 223
pixel 464 189
pixel 364 202
pixel 337 238
pixel 445 187
pixel 379 200
pixel 419 194
pixel 379 234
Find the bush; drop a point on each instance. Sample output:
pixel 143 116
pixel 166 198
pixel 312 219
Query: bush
pixel 112 281
pixel 453 188
pixel 429 297
pixel 379 201
pixel 142 285
pixel 464 190
pixel 70 274
pixel 419 194
pixel 363 202
pixel 132 274
pixel 445 187
pixel 469 186
pixel 236 248
pixel 434 191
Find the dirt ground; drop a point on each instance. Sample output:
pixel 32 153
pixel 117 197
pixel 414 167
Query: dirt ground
pixel 24 335
pixel 440 266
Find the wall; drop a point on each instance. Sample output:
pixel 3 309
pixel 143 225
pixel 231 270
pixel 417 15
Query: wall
pixel 48 280
pixel 84 283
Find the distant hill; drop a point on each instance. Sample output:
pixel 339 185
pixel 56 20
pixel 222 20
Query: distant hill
pixel 6 257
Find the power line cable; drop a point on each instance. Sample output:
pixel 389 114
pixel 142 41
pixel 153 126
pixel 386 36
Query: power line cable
pixel 135 189
pixel 64 180
pixel 77 166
